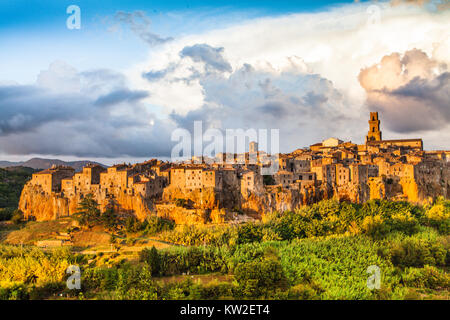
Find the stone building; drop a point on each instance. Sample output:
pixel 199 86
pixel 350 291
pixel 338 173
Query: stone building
pixel 83 181
pixel 251 182
pixel 50 180
pixel 374 133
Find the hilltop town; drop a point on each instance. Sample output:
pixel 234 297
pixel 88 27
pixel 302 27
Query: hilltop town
pixel 197 193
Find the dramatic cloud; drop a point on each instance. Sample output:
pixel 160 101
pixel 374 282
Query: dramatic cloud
pixel 122 95
pixel 300 73
pixel 212 57
pixel 411 91
pixel 140 24
pixel 294 102
pixel 89 114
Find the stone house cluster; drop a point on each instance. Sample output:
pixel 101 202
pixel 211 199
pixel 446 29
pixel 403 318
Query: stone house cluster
pixel 136 179
pixel 396 169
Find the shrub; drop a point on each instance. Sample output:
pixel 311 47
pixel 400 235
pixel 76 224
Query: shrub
pixel 259 278
pixel 304 291
pixel 218 290
pixel 17 216
pixel 438 216
pixel 154 225
pixel 374 226
pixel 413 252
pixel 180 202
pixel 249 232
pixel 14 292
pixel 427 277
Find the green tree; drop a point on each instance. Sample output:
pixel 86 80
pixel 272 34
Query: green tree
pixel 152 258
pixel 109 217
pixel 88 212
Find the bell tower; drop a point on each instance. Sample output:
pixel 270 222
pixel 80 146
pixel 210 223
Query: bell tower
pixel 374 128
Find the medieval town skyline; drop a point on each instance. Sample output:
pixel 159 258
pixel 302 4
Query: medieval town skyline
pixel 328 65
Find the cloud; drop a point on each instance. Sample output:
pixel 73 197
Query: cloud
pixel 212 57
pixel 59 77
pixel 294 102
pixel 299 73
pixel 412 91
pixel 139 24
pixel 100 116
pixel 119 96
pixel 305 66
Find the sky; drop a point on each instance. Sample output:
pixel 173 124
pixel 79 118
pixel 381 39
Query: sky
pixel 119 86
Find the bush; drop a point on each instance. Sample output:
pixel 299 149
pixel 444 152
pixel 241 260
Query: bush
pixel 438 216
pixel 259 278
pixel 135 283
pixel 154 225
pixel 268 180
pixel 14 292
pixel 249 232
pixel 17 216
pixel 304 291
pixel 413 252
pixel 428 277
pixel 181 202
pixel 132 224
pixel 216 290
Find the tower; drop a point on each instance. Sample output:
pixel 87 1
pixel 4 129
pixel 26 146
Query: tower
pixel 253 147
pixel 374 128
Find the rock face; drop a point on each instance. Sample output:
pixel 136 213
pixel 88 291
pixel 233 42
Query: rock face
pixel 181 215
pixel 41 206
pixel 279 199
pixel 206 198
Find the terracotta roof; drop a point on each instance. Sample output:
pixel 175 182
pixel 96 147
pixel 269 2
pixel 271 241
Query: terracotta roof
pixel 53 170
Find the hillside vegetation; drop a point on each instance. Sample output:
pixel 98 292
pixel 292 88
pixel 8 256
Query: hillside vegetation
pixel 319 252
pixel 12 181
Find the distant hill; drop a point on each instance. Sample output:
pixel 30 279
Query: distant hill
pixel 40 163
pixel 12 180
